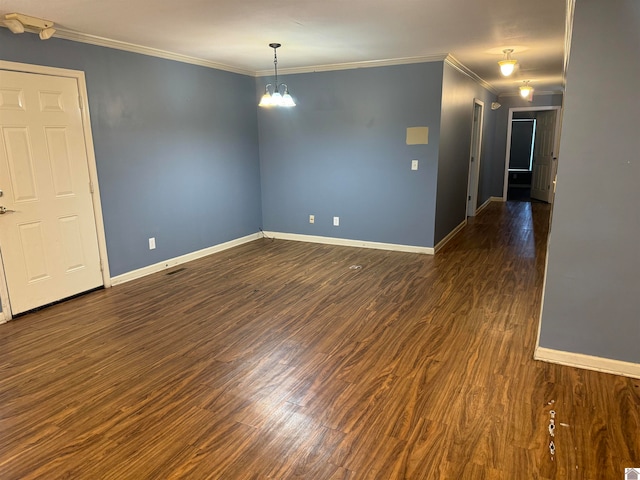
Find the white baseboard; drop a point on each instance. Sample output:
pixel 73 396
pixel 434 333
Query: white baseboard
pixel 488 202
pixel 588 362
pixel 345 242
pixel 451 234
pixel 172 262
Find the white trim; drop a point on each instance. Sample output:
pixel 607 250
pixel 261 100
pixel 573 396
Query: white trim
pixel 93 177
pixel 588 362
pixel 345 242
pixel 354 65
pixel 568 33
pixel 40 69
pixel 80 37
pixel 486 204
pixel 91 162
pixel 505 183
pixel 453 62
pixel 474 168
pixel 544 288
pixel 5 314
pixel 172 262
pixel 450 235
pixel 538 93
pixel 152 52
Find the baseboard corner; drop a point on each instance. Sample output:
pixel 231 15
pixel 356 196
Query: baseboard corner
pixel 587 362
pixel 346 242
pixel 450 235
pixel 172 262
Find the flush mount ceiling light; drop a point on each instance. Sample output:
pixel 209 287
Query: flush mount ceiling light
pixel 507 64
pixel 18 22
pixel 276 99
pixel 526 90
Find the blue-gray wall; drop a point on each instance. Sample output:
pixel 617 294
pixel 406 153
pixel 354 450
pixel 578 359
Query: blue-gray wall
pixel 176 148
pixel 342 152
pixel 458 94
pixel 592 295
pixel 185 156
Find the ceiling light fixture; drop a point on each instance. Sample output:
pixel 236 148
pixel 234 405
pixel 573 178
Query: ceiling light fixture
pixel 526 90
pixel 276 99
pixel 18 22
pixel 507 65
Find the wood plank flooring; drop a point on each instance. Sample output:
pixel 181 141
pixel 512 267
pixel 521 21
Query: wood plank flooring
pixel 276 360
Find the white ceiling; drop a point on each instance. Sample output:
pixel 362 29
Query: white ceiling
pixel 324 33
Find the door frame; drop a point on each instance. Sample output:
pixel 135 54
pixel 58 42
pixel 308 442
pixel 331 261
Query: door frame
pixel 505 185
pixel 473 179
pixel 79 76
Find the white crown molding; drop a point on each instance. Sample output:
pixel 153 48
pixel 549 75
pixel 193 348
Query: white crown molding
pixel 74 36
pixel 535 93
pixel 588 362
pixel 345 242
pixel 453 62
pixel 568 32
pixel 354 65
pixel 448 58
pixel 153 52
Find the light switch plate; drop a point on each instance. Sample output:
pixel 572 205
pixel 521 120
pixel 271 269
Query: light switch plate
pixel 336 221
pixel 414 164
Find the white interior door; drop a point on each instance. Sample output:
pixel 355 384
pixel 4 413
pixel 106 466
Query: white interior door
pixel 48 233
pixel 543 170
pixel 474 159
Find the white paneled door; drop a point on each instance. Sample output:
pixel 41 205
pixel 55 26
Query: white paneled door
pixel 543 170
pixel 48 233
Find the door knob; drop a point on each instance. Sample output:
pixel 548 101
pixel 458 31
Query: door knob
pixel 4 210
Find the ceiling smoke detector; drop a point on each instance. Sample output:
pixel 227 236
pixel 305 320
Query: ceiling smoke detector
pixel 18 23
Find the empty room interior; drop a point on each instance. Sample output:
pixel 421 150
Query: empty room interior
pixel 319 240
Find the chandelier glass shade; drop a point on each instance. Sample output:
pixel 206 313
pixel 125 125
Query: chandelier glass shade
pixel 526 90
pixel 507 65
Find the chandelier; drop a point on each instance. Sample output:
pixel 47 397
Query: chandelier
pixel 276 95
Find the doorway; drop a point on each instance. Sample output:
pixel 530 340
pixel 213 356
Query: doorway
pixel 52 242
pixel 523 134
pixel 474 158
pixel 531 175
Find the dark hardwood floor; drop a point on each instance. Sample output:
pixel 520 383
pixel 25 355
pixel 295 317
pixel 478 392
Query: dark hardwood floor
pixel 277 360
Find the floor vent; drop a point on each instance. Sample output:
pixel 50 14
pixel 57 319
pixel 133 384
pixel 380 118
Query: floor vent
pixel 177 270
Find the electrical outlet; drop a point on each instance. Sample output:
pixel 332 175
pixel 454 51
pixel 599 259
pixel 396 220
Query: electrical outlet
pixel 152 243
pixel 414 164
pixel 312 219
pixel 336 221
